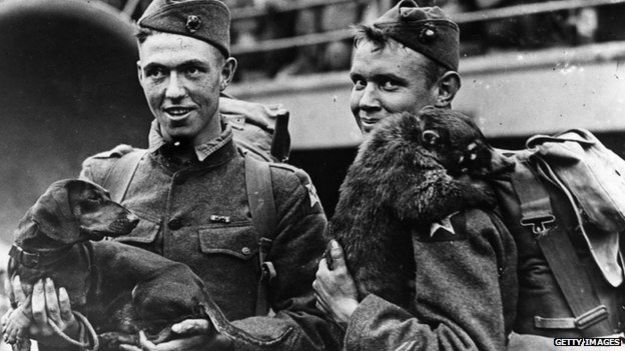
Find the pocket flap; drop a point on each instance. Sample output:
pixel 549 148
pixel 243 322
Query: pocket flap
pixel 239 241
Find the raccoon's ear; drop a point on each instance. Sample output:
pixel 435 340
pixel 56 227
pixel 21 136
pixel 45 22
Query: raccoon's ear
pixel 430 137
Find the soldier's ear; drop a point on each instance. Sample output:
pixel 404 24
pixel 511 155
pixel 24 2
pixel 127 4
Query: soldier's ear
pixel 139 73
pixel 446 88
pixel 227 72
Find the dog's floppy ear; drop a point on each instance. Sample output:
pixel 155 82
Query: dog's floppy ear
pixel 53 215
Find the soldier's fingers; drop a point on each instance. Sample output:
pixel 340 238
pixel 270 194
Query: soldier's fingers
pixel 321 307
pixel 323 267
pixel 39 304
pixel 65 305
pixel 17 291
pixel 192 326
pixel 52 301
pixel 336 252
pixel 146 345
pixel 315 285
pixel 319 289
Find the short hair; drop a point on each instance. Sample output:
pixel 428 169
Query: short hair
pixel 380 37
pixel 143 33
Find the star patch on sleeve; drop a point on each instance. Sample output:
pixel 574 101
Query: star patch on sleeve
pixel 442 230
pixel 312 195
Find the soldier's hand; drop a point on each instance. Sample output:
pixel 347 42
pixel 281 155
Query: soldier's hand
pixel 32 318
pixel 49 307
pixel 335 288
pixel 196 335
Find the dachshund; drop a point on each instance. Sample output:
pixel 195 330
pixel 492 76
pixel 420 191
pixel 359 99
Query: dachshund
pixel 120 289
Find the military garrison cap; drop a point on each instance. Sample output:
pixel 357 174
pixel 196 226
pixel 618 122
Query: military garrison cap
pixel 427 30
pixel 206 20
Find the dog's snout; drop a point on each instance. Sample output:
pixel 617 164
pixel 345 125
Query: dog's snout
pixel 132 218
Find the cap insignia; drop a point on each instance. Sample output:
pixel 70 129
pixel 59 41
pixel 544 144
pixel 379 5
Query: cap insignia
pixel 193 23
pixel 427 34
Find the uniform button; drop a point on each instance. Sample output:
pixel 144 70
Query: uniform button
pixel 174 224
pixel 246 250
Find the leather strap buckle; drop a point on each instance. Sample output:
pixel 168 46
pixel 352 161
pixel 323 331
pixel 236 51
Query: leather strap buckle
pixel 268 271
pixel 539 224
pixel 591 317
pixel 30 260
pixel 582 322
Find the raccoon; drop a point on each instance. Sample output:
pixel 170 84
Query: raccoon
pixel 411 171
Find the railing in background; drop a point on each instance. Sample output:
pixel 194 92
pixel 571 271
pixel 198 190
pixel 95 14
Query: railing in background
pixel 337 35
pixel 255 12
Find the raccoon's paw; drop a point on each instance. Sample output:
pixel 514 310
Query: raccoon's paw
pixel 475 192
pixel 483 194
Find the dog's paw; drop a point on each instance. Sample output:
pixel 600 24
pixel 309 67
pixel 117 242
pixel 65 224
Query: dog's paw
pixel 22 345
pixel 111 341
pixel 15 326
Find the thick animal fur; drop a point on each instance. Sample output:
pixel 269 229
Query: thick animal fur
pixel 410 172
pixel 120 288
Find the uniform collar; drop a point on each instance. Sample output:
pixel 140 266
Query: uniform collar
pixel 222 145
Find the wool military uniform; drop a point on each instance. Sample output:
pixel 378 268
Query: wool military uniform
pixel 197 213
pixel 465 291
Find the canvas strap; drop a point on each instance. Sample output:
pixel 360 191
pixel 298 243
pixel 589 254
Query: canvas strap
pixel 537 215
pixel 264 218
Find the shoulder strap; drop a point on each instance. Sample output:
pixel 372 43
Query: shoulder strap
pixel 260 196
pixel 554 242
pixel 264 218
pixel 119 177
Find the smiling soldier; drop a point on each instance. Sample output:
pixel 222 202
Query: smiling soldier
pixel 406 60
pixel 191 189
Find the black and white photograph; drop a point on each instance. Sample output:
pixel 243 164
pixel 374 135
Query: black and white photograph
pixel 312 175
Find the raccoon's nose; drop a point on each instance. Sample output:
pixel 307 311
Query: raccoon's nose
pixel 499 162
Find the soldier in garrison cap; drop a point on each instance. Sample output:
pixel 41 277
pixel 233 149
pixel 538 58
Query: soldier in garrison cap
pixel 190 190
pixel 405 60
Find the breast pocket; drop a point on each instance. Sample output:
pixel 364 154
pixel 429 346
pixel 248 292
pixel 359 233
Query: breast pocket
pixel 233 240
pixel 229 267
